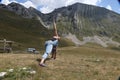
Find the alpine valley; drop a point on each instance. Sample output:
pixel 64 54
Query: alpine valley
pixel 77 24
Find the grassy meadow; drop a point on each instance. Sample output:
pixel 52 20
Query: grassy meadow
pixel 88 62
pixel 72 63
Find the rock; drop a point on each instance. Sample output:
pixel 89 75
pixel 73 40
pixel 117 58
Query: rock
pixel 2 74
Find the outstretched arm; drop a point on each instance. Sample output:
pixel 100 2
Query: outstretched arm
pixel 55 29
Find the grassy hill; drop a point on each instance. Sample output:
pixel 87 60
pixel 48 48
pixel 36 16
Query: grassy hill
pixel 24 32
pixel 87 62
pixel 72 63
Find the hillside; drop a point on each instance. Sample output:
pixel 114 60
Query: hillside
pixel 24 32
pixel 86 25
pixel 79 23
pixel 84 20
pixel 81 63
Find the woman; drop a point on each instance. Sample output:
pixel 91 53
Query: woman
pixel 54 49
pixel 49 46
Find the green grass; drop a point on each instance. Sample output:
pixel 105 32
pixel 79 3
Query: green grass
pixel 24 32
pixel 115 48
pixel 88 62
pixel 72 63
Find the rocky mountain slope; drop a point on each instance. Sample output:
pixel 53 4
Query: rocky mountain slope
pixel 84 20
pixel 80 20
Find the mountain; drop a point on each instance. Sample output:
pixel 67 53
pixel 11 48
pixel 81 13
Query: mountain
pixel 18 9
pixel 80 23
pixel 84 20
pixel 88 23
pixel 17 25
pixel 23 31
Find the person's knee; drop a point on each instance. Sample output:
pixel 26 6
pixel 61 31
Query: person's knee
pixel 45 55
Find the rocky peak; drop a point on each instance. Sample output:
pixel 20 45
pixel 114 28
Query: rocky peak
pixel 35 11
pixel 3 6
pixel 20 10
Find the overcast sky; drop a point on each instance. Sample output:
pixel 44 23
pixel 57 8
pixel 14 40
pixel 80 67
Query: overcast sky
pixel 46 6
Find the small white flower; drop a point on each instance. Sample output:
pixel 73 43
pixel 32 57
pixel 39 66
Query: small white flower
pixel 2 74
pixel 98 60
pixel 24 68
pixel 10 70
pixel 32 72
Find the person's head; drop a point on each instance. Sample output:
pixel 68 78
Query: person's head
pixel 55 38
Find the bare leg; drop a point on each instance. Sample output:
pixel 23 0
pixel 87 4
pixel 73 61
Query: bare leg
pixel 42 61
pixel 54 55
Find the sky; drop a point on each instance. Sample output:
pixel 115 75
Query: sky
pixel 47 6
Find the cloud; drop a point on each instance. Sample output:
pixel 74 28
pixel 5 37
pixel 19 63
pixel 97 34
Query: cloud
pixel 28 4
pixel 49 5
pixel 46 6
pixel 5 2
pixel 46 10
pixel 109 7
pixel 92 2
pixel 118 10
